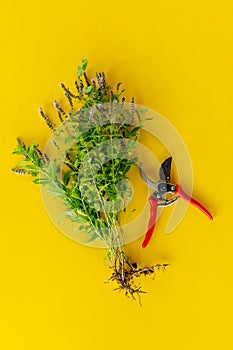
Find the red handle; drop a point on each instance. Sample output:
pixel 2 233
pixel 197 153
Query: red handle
pixel 153 211
pixel 196 204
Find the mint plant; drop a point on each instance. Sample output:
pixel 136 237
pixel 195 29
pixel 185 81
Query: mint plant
pixel 91 121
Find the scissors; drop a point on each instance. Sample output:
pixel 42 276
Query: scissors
pixel 161 188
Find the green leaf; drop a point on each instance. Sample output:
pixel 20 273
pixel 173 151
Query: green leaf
pixel 80 71
pixel 65 214
pixel 51 170
pixel 34 173
pixel 75 195
pixel 31 167
pixel 135 130
pixel 31 150
pixel 87 89
pixel 143 111
pixel 70 139
pixel 18 151
pixel 22 162
pixel 66 177
pixel 41 181
pixel 151 118
pixel 84 63
pixel 81 214
pixel 56 192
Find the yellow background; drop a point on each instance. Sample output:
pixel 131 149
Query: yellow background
pixel 174 57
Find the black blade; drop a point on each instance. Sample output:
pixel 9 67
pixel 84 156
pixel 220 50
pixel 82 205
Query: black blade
pixel 165 170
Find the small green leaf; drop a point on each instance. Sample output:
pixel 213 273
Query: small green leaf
pixel 66 177
pixel 65 214
pixel 135 130
pixel 41 181
pixel 143 111
pixel 87 89
pixel 80 213
pixel 70 139
pixel 51 169
pixel 22 163
pixel 56 193
pixel 151 118
pixel 80 71
pixel 84 63
pixel 31 150
pixel 31 167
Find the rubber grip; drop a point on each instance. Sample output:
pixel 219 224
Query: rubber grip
pixel 192 201
pixel 151 225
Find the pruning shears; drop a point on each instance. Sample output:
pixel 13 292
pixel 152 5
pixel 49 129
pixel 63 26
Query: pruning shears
pixel 161 188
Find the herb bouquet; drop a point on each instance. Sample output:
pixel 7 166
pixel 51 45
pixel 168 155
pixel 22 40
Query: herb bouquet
pixel 85 166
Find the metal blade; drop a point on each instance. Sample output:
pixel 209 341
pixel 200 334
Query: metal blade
pixel 147 181
pixel 165 170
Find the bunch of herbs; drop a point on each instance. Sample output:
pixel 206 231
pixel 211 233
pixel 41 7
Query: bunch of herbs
pixel 86 104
